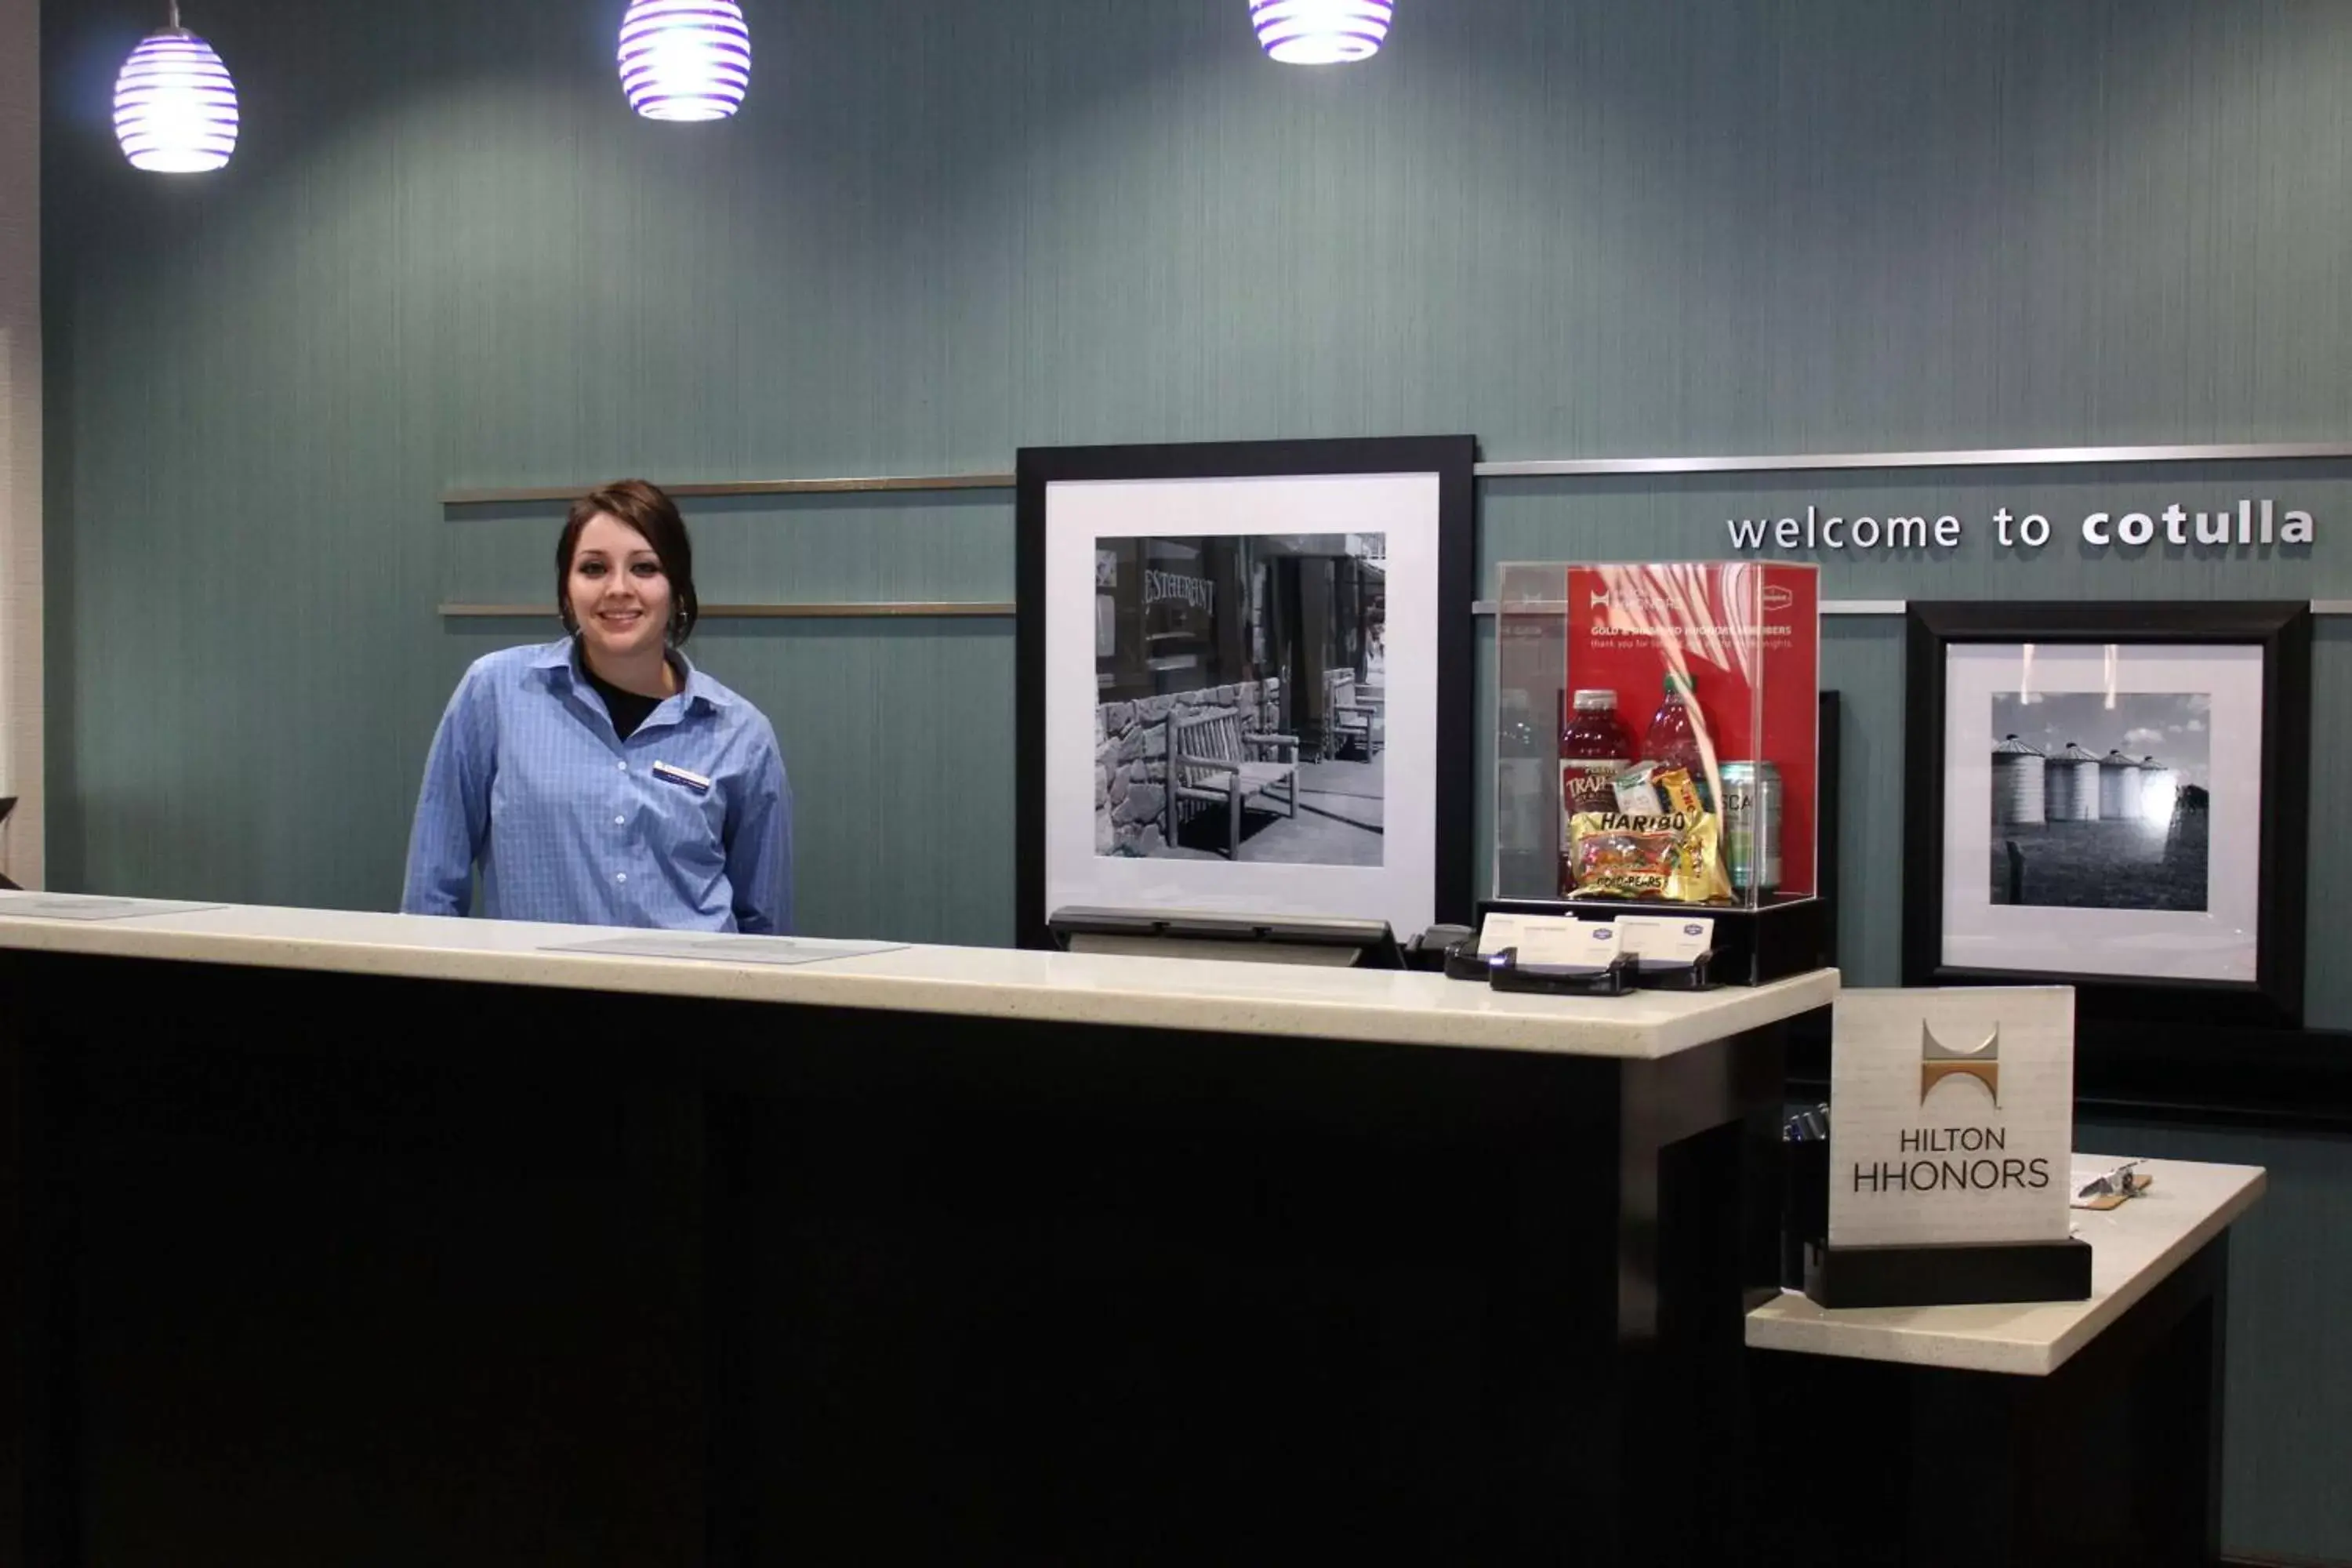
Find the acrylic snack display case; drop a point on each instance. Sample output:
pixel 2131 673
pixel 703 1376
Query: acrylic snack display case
pixel 1657 750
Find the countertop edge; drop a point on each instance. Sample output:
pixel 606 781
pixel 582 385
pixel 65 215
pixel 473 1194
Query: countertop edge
pixel 854 982
pixel 2183 1247
pixel 1830 1336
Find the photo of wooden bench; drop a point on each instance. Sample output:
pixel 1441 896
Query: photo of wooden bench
pixel 1355 714
pixel 1212 760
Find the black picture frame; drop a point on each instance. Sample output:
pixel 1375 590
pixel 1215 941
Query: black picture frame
pixel 1453 458
pixel 1828 804
pixel 2283 630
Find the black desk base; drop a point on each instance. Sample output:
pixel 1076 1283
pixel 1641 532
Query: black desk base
pixel 2112 1459
pixel 326 1269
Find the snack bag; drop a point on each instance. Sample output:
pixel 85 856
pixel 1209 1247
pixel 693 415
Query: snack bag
pixel 1657 789
pixel 1675 856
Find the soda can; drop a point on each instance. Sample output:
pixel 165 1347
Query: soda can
pixel 1751 826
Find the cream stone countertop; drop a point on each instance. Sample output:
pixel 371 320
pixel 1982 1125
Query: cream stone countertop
pixel 1151 993
pixel 2133 1247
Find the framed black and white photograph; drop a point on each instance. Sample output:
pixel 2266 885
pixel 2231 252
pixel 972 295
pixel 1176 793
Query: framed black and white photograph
pixel 1245 679
pixel 2114 797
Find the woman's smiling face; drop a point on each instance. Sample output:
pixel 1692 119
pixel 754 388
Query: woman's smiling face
pixel 620 595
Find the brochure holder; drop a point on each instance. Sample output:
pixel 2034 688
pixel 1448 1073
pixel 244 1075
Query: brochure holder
pixel 1504 974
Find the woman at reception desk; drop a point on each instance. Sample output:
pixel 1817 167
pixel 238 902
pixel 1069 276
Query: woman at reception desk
pixel 603 780
pixel 350 1237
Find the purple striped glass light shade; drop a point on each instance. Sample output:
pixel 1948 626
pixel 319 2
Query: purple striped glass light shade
pixel 685 60
pixel 174 105
pixel 1320 32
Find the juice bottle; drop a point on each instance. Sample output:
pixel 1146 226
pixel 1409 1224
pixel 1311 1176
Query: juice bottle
pixel 1674 734
pixel 1595 746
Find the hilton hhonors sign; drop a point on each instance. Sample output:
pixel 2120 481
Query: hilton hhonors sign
pixel 1952 1115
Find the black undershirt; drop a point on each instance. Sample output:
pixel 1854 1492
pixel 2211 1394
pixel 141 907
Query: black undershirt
pixel 628 708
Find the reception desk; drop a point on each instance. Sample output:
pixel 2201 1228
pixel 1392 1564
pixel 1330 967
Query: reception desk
pixel 2016 1435
pixel 360 1238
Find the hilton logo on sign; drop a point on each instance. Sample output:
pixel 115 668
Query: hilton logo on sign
pixel 1951 1115
pixel 1939 1063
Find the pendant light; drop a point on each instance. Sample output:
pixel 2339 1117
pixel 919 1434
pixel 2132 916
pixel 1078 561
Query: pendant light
pixel 174 105
pixel 685 60
pixel 1320 32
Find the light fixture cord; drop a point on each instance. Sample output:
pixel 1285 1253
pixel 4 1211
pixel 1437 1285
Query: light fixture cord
pixel 174 5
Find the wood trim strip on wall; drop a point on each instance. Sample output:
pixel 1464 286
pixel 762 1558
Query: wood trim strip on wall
pixel 2007 457
pixel 880 609
pixel 980 608
pixel 1540 467
pixel 1979 457
pixel 746 488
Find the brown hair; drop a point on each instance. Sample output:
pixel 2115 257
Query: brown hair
pixel 643 507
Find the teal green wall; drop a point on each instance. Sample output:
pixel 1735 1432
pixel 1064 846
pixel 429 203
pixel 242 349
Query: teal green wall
pixel 446 256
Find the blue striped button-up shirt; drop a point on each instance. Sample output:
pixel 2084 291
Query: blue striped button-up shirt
pixel 685 825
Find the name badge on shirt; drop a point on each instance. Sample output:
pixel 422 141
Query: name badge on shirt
pixel 694 782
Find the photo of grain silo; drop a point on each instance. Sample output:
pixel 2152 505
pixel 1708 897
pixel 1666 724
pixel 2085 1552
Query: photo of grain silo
pixel 2101 801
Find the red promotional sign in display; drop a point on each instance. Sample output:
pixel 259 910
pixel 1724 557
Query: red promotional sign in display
pixel 1747 636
